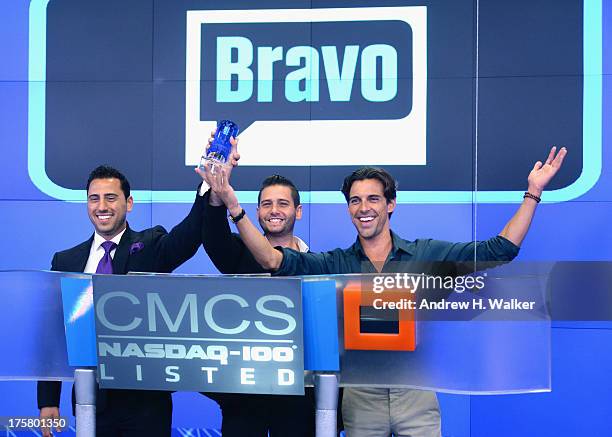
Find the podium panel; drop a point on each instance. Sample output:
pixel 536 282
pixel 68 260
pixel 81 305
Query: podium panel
pixel 480 351
pixel 32 337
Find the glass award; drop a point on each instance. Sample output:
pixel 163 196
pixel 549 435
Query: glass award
pixel 220 147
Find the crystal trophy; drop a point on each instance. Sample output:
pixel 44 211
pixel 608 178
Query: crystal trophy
pixel 220 147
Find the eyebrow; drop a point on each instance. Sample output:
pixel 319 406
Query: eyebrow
pixel 272 200
pixel 105 195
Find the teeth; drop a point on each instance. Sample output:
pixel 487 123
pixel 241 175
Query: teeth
pixel 104 217
pixel 366 219
pixel 276 220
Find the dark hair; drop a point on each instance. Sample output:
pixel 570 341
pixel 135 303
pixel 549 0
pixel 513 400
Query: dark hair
pixel 387 181
pixel 108 172
pixel 280 180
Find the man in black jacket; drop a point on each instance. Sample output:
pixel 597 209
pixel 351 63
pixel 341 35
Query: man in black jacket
pixel 278 209
pixel 117 249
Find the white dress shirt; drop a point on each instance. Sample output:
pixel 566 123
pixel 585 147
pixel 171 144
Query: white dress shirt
pixel 97 251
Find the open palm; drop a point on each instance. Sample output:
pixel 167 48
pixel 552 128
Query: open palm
pixel 541 174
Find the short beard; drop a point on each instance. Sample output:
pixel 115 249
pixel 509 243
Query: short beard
pixel 287 229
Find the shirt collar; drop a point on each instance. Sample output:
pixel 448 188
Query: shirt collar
pixel 399 244
pixel 98 239
pixel 302 246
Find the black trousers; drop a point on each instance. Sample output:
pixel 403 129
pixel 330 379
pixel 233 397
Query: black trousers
pixel 255 415
pixel 135 413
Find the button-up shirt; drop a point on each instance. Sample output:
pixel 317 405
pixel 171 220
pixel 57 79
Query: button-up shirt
pixel 402 257
pixel 97 251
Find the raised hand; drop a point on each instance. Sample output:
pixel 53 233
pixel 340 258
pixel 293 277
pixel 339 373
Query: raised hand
pixel 232 162
pixel 218 181
pixel 234 156
pixel 541 174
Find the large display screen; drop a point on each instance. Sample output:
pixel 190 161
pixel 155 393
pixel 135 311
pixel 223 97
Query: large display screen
pixel 449 98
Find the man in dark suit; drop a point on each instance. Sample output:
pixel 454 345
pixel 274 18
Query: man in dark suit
pixel 117 249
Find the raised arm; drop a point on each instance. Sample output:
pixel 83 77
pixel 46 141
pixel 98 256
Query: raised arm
pixel 183 240
pixel 541 174
pixel 226 250
pixel 259 246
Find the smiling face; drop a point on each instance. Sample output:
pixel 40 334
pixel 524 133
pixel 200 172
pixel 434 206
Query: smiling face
pixel 369 209
pixel 107 206
pixel 276 211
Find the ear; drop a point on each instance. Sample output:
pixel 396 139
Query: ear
pixel 391 206
pixel 130 203
pixel 298 212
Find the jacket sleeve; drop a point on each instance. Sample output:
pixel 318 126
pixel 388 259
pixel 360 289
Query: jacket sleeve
pixel 182 242
pixel 48 393
pixel 225 249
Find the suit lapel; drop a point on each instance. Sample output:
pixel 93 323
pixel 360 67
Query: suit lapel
pixel 82 255
pixel 122 254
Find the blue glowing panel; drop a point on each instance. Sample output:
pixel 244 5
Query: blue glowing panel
pixel 79 321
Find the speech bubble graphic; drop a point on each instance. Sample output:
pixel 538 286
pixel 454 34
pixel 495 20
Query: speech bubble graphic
pixel 322 71
pixel 330 70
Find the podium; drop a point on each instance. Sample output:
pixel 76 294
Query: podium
pixel 135 327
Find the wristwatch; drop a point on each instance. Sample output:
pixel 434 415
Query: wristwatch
pixel 238 217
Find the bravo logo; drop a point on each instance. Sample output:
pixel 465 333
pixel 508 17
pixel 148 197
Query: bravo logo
pixel 310 86
pixel 339 83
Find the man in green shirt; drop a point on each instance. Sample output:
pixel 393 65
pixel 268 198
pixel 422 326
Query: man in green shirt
pixel 371 197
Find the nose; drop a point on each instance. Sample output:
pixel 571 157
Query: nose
pixel 364 206
pixel 102 205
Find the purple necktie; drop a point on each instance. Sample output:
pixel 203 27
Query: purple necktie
pixel 106 263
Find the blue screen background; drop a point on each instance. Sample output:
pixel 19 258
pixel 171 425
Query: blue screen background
pixel 35 226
